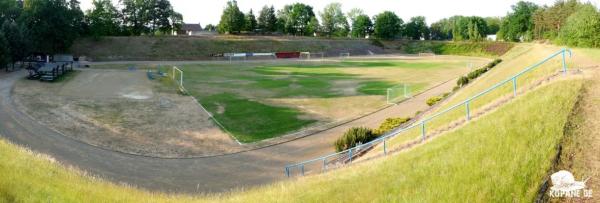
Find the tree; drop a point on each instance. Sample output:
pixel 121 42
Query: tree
pixel 176 21
pixel 334 21
pixel 251 23
pixel 518 25
pixel 417 28
pixel 387 25
pixel 161 16
pixel 362 26
pixel 4 50
pixel 77 18
pixel 267 20
pixel 210 27
pixel 51 24
pixel 103 18
pixel 582 28
pixel 442 30
pixel 9 10
pixel 294 18
pixel 354 13
pixel 493 25
pixel 134 16
pixel 469 28
pixel 313 25
pixel 548 21
pixel 17 41
pixel 232 19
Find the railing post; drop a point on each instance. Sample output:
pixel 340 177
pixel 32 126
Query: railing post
pixel 514 80
pixel 350 153
pixel 468 110
pixel 287 171
pixel 384 146
pixel 302 168
pixel 325 164
pixel 564 58
pixel 423 130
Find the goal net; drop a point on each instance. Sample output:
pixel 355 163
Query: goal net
pixel 398 93
pixel 311 55
pixel 345 55
pixel 177 76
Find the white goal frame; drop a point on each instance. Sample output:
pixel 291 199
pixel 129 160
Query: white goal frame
pixel 175 70
pixel 311 55
pixel 345 55
pixel 405 89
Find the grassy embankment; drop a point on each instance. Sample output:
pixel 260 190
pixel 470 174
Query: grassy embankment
pixel 481 49
pixel 514 61
pixel 146 48
pixel 502 156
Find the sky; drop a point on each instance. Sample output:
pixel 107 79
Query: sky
pixel 209 11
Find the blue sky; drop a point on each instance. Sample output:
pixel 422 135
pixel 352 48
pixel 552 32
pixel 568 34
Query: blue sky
pixel 205 12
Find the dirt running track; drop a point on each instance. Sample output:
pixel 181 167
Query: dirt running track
pixel 213 174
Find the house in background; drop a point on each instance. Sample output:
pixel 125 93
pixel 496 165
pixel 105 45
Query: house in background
pixel 193 30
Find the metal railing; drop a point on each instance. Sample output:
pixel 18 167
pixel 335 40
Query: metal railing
pixel 339 159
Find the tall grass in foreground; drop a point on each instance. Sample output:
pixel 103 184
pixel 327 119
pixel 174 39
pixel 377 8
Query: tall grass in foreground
pixel 501 157
pixel 29 177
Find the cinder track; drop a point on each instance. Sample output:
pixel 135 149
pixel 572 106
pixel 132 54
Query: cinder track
pixel 208 175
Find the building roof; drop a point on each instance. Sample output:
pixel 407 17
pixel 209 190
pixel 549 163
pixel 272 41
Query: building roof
pixel 191 27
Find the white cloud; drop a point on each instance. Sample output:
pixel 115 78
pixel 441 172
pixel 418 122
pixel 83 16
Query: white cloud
pixel 205 12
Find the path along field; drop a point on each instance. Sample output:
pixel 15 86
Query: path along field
pixel 261 101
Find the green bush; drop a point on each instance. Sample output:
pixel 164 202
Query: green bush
pixel 462 81
pixel 354 136
pixel 582 28
pixel 390 124
pixel 434 100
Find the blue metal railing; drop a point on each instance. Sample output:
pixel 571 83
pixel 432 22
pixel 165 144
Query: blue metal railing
pixel 345 157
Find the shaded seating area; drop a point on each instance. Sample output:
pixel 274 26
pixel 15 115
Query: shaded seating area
pixel 49 71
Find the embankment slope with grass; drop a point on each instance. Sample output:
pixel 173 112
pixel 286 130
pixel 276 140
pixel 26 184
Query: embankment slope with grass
pixel 147 48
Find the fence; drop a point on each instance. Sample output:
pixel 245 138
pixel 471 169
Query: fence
pixel 419 129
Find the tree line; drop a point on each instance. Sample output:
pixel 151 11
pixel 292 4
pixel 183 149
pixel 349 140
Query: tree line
pixel 566 21
pixel 300 19
pixel 50 26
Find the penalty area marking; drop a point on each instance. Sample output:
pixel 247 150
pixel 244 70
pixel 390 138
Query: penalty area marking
pixel 210 115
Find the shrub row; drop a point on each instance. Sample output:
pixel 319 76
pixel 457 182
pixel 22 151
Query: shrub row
pixel 390 124
pixel 464 80
pixel 360 135
pixel 434 100
pixel 353 137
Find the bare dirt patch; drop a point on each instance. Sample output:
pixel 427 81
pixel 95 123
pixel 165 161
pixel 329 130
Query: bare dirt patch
pixel 124 111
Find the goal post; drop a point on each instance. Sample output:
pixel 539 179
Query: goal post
pixel 177 76
pixel 345 55
pixel 312 55
pixel 398 93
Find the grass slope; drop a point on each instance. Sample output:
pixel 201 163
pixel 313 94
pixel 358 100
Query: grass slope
pixel 483 49
pixel 201 48
pixel 501 157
